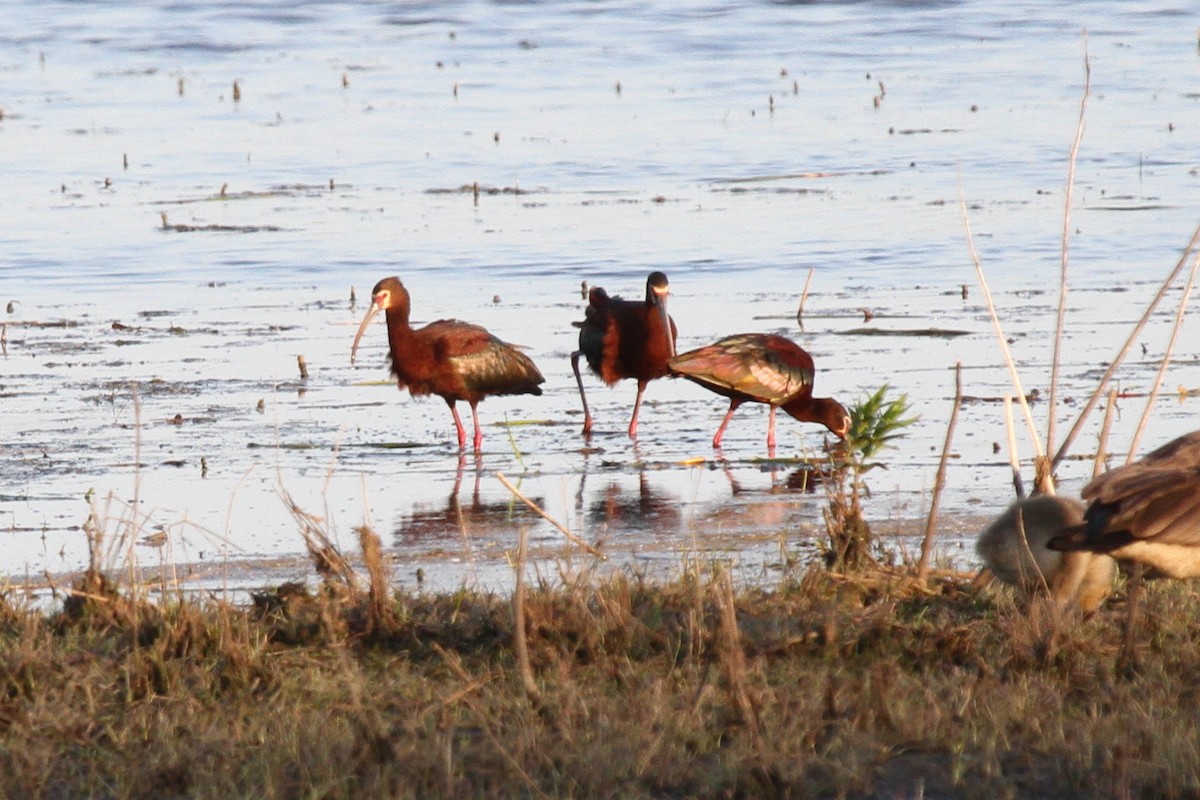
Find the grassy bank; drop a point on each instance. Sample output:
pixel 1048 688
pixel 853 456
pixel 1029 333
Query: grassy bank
pixel 826 686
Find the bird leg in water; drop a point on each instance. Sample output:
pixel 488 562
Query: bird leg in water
pixel 462 432
pixel 637 404
pixel 458 426
pixel 771 431
pixel 587 415
pixel 733 406
pixel 478 432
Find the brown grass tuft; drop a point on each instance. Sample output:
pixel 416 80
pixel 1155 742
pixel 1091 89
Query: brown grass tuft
pixel 863 685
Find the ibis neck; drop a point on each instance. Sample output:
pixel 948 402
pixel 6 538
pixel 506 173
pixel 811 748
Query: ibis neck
pixel 397 318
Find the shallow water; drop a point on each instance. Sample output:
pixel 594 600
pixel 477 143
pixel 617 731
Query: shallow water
pixel 169 252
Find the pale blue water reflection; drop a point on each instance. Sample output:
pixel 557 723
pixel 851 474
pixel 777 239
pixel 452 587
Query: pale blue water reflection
pixel 732 146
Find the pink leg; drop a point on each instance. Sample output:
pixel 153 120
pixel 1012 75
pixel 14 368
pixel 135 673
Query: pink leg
pixel 462 433
pixel 771 432
pixel 733 405
pixel 637 405
pixel 587 415
pixel 478 433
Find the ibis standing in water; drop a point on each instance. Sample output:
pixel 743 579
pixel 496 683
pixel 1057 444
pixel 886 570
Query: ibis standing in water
pixel 1147 511
pixel 453 359
pixel 761 368
pixel 626 339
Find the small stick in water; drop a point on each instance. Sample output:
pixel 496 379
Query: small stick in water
pixel 803 297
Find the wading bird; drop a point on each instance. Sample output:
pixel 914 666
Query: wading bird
pixel 454 360
pixel 761 368
pixel 1014 547
pixel 1147 511
pixel 626 339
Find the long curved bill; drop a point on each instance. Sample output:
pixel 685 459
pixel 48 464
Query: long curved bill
pixel 362 327
pixel 666 320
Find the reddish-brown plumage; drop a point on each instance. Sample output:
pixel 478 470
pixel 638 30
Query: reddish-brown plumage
pixel 761 368
pixel 626 339
pixel 454 360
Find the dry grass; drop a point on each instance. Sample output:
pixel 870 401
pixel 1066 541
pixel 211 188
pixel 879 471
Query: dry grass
pixel 871 686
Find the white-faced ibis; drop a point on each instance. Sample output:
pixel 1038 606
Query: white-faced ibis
pixel 1147 511
pixel 1014 547
pixel 761 368
pixel 454 360
pixel 626 339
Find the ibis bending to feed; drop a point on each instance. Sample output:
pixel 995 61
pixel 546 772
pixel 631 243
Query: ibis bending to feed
pixel 761 368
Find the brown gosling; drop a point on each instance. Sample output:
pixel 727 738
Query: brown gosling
pixel 1015 548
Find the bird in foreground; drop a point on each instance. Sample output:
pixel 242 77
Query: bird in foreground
pixel 453 359
pixel 626 339
pixel 1014 547
pixel 1147 511
pixel 761 368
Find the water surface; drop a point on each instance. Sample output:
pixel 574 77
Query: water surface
pixel 170 250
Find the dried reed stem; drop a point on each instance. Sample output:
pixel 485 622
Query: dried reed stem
pixel 803 297
pixel 1166 361
pixel 452 661
pixel 1066 238
pixel 1012 367
pixel 327 559
pixel 733 656
pixel 1014 460
pixel 940 482
pixel 538 510
pixel 520 646
pixel 379 611
pixel 1020 519
pixel 1128 659
pixel 1116 362
pixel 132 525
pixel 1105 428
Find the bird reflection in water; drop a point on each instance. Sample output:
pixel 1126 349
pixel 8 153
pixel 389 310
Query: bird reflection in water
pixel 649 511
pixel 620 508
pixel 777 507
pixel 477 517
pixel 804 479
